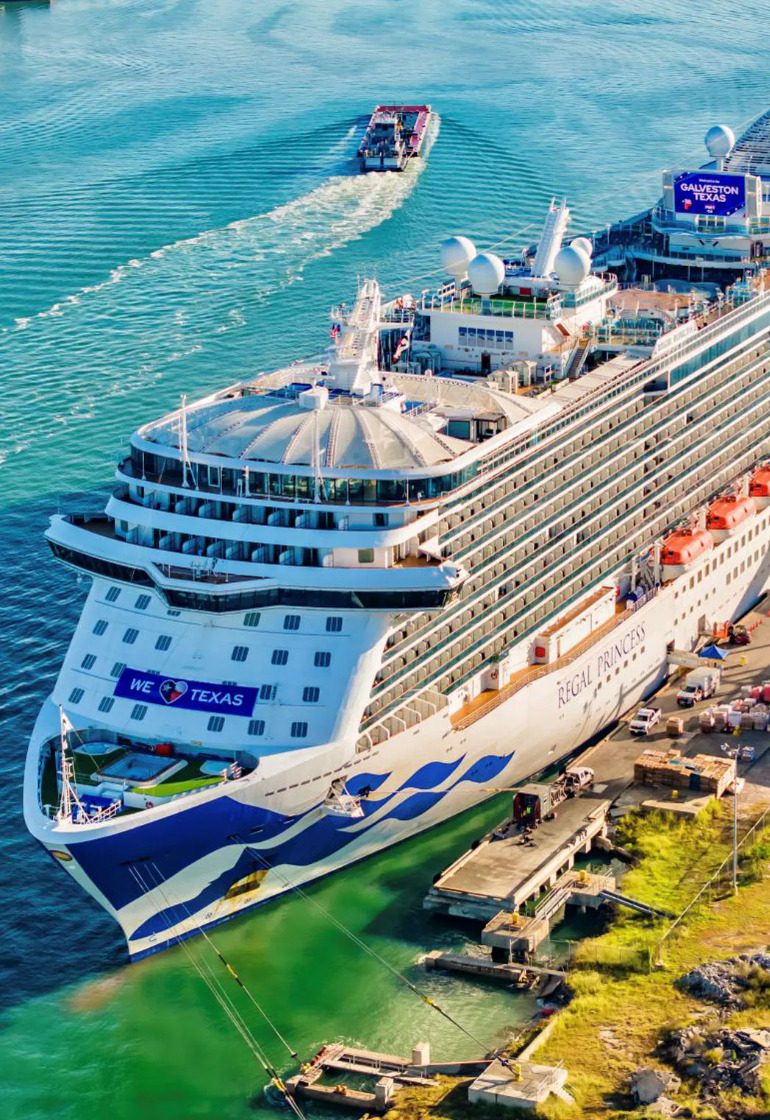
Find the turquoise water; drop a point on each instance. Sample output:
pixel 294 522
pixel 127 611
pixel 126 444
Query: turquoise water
pixel 176 211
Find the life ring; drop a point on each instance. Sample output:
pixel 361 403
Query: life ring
pixel 149 804
pixel 494 675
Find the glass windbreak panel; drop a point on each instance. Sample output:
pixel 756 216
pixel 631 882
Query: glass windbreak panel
pixel 356 490
pixel 303 488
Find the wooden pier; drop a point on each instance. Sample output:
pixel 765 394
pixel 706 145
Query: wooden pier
pixel 387 1071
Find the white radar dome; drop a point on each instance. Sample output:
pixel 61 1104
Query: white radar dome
pixel 584 244
pixel 456 255
pixel 486 273
pixel 719 140
pixel 572 265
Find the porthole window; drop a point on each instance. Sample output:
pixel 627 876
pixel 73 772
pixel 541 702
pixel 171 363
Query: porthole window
pixel 280 657
pixel 256 727
pixel 88 661
pixel 163 641
pixel 142 602
pixel 240 653
pixel 112 594
pixel 139 711
pixel 76 696
pixel 100 627
pixel 334 625
pixel 252 618
pixel 130 636
pixel 291 622
pixel 299 729
pixel 310 694
pixel 216 723
pixel 117 668
pixel 267 692
pixel 322 659
pixel 105 704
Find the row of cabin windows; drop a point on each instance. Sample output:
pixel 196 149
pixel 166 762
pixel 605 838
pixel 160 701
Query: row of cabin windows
pixel 322 658
pixel 141 603
pixel 299 728
pixel 252 619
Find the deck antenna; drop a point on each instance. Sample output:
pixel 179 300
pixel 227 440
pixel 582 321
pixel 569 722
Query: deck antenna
pixel 69 794
pixel 183 439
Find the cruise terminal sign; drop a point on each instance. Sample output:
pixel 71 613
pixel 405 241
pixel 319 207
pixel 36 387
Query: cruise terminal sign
pixel 177 692
pixel 702 192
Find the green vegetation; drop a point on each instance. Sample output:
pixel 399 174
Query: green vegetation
pixel 625 998
pixel 618 1015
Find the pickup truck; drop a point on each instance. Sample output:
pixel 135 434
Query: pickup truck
pixel 644 721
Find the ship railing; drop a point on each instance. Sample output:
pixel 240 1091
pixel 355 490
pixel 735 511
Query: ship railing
pixel 535 672
pixel 502 308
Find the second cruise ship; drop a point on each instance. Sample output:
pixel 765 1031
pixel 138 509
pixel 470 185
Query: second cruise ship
pixel 332 605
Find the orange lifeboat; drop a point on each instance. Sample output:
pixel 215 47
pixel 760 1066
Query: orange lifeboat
pixel 725 515
pixel 759 487
pixel 681 549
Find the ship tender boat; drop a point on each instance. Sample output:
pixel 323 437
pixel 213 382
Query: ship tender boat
pixel 395 135
pixel 331 605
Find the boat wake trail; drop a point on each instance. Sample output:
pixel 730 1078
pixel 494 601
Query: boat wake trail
pixel 116 337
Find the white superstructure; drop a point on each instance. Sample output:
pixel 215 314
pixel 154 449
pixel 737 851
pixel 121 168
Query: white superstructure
pixel 332 605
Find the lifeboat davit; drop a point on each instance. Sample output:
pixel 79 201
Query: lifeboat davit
pixel 759 487
pixel 681 549
pixel 726 515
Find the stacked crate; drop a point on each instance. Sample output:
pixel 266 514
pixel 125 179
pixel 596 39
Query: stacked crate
pixel 703 773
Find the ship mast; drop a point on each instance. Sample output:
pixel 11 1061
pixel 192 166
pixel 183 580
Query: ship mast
pixel 69 793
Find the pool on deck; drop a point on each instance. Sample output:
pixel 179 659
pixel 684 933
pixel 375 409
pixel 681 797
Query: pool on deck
pixel 214 766
pixel 139 767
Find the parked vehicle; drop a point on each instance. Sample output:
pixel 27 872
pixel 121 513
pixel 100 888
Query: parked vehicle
pixel 700 684
pixel 578 778
pixel 644 721
pixel 738 635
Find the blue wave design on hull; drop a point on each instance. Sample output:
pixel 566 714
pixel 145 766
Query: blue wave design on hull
pixel 174 843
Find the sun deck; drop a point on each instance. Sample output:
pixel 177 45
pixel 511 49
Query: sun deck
pixel 126 776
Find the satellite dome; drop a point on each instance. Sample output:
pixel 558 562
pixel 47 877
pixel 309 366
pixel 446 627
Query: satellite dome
pixel 719 140
pixel 456 254
pixel 584 244
pixel 486 273
pixel 572 265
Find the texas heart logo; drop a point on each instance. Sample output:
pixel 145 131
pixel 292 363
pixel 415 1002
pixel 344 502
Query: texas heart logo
pixel 171 691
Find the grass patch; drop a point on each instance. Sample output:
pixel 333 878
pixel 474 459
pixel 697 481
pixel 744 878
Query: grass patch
pixel 616 1020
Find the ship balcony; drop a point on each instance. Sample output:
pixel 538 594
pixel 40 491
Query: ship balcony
pixel 90 543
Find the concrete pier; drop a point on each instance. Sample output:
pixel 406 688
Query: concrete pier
pixel 518 937
pixel 517 1084
pixel 504 873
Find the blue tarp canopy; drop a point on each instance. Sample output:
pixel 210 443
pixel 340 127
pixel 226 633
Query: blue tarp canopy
pixel 714 653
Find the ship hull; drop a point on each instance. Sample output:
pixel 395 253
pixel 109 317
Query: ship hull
pixel 166 873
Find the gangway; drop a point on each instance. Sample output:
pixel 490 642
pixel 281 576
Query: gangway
pixel 634 904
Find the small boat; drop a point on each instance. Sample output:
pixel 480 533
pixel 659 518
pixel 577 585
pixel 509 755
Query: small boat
pixel 395 135
pixel 726 514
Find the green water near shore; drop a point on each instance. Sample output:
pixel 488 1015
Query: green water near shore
pixel 149 1039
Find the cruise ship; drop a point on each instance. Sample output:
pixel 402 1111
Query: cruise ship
pixel 335 604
